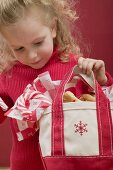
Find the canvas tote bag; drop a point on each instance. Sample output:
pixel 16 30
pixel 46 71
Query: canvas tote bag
pixel 77 135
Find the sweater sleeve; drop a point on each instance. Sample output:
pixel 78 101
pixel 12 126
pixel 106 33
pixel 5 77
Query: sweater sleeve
pixel 7 100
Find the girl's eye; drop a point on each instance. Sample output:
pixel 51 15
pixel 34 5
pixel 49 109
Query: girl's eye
pixel 38 43
pixel 19 49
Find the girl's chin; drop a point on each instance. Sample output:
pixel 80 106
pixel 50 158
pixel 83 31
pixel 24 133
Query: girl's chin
pixel 37 66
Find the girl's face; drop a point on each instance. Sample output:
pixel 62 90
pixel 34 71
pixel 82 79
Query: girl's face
pixel 31 40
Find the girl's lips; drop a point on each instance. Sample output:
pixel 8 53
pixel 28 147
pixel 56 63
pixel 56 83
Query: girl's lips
pixel 35 62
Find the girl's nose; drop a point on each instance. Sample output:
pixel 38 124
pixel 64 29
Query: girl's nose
pixel 32 55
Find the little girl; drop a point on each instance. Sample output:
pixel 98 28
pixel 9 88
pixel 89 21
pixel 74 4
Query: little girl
pixel 36 37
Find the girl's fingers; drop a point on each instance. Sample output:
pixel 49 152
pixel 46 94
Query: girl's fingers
pixel 99 64
pixel 80 62
pixel 86 65
pixel 90 67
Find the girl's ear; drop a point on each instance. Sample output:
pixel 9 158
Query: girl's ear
pixel 54 27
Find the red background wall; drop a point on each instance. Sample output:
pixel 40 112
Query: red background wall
pixel 5 143
pixel 96 25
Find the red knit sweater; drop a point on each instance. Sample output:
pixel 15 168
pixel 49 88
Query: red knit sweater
pixel 25 154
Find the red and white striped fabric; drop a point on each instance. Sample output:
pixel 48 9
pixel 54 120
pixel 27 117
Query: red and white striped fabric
pixel 30 106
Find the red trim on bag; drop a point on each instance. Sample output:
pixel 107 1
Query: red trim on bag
pixel 81 163
pixel 104 122
pixel 111 126
pixel 58 119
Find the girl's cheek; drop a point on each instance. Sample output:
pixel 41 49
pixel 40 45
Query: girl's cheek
pixel 20 59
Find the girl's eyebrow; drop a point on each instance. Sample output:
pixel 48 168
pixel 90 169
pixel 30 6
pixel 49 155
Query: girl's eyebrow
pixel 35 40
pixel 38 39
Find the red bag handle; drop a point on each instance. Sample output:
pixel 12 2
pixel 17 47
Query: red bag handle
pixel 103 117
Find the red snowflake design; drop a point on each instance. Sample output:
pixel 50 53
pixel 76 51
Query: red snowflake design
pixel 80 128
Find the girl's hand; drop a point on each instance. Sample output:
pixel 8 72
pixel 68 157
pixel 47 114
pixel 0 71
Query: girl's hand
pixel 97 66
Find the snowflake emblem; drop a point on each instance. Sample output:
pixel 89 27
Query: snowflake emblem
pixel 80 128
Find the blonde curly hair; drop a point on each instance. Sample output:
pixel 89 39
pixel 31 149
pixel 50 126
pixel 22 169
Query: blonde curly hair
pixel 12 10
